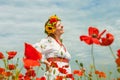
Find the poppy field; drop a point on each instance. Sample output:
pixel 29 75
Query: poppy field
pixel 32 61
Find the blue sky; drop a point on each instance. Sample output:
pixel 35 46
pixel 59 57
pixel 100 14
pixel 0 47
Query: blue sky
pixel 23 21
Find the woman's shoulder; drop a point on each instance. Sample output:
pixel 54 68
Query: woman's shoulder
pixel 46 40
pixel 43 42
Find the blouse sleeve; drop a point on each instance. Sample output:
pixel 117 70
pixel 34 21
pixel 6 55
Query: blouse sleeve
pixel 44 47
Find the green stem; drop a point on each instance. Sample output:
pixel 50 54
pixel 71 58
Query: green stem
pixel 93 61
pixel 5 63
pixel 109 75
pixel 93 58
pixel 112 52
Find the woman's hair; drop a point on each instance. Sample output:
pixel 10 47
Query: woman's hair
pixel 45 26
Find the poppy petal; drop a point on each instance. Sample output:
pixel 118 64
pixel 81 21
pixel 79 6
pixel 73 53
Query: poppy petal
pixel 78 72
pixel 1 55
pixel 31 52
pixel 93 30
pixel 86 39
pixel 29 62
pixel 118 53
pixel 118 62
pixel 95 40
pixel 108 40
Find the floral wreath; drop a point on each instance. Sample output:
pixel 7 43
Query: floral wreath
pixel 50 26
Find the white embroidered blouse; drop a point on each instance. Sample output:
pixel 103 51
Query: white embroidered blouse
pixel 49 47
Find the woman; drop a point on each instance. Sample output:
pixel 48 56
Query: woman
pixel 55 54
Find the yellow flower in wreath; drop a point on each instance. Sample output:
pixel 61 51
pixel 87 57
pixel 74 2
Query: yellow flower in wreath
pixel 50 29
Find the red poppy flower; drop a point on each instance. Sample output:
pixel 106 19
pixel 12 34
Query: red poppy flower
pixel 1 55
pixel 30 62
pixel 108 40
pixel 11 66
pixel 30 73
pixel 20 76
pixel 78 72
pixel 27 67
pixel 61 70
pixel 118 62
pixel 59 78
pixel 42 78
pixel 2 70
pixel 32 53
pixel 100 74
pixel 26 78
pixel 93 36
pixel 96 72
pixel 11 54
pixel 118 53
pixel 7 74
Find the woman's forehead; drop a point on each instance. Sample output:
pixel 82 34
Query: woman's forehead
pixel 58 23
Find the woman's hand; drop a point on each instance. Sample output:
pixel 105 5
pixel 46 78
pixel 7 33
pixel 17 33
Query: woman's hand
pixel 47 65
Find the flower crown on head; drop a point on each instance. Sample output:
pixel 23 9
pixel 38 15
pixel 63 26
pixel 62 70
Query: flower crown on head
pixel 50 26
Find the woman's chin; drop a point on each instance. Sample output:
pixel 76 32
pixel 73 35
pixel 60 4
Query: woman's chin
pixel 62 32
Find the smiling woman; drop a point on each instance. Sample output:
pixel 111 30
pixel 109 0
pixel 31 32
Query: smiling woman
pixel 55 55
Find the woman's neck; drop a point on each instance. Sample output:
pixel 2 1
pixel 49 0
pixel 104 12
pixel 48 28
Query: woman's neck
pixel 57 38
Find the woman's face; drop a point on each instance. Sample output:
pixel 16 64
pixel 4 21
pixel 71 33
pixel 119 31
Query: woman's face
pixel 59 28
